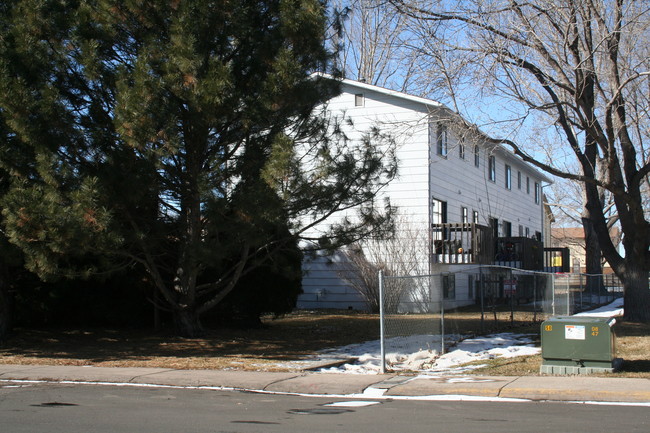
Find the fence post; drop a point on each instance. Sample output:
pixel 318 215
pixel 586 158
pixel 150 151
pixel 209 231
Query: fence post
pixel 512 298
pixel 382 347
pixel 534 297
pixel 442 319
pixel 568 297
pixel 582 307
pixel 482 288
pixel 553 293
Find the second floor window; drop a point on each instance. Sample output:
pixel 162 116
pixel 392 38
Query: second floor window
pixel 441 139
pixel 492 169
pixel 536 193
pixel 477 156
pixel 508 177
pixel 464 215
pixel 461 149
pixel 475 217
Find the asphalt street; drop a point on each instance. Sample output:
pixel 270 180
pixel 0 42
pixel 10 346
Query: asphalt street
pixel 70 408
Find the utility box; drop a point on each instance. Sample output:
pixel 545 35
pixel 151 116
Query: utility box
pixel 579 345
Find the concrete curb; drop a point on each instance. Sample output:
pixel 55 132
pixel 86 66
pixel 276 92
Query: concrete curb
pixel 540 388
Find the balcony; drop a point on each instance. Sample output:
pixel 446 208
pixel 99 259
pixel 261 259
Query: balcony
pixel 520 253
pixel 469 243
pixel 462 243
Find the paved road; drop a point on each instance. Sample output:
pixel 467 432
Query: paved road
pixel 70 408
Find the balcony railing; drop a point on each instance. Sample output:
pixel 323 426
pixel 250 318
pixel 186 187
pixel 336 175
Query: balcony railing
pixel 520 253
pixel 475 244
pixel 462 243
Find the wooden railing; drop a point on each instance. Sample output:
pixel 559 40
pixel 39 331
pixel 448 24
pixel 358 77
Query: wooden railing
pixel 462 243
pixel 475 244
pixel 520 252
pixel 557 259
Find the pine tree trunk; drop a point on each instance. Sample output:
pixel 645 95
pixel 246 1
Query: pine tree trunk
pixel 188 323
pixel 637 293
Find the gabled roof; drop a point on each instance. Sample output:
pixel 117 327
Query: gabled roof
pixel 384 91
pixel 430 103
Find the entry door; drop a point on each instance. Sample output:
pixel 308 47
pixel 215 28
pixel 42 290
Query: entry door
pixel 438 211
pixel 438 216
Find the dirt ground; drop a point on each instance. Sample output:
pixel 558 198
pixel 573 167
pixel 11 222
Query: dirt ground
pixel 290 338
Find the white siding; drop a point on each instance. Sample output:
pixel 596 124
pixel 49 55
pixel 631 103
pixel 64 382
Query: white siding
pixel 423 175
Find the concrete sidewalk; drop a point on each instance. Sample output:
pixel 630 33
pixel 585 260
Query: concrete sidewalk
pixel 539 388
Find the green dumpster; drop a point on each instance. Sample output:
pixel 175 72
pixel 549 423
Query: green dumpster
pixel 579 345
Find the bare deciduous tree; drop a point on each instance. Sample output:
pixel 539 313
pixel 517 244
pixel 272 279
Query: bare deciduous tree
pixel 373 43
pixel 580 67
pixel 403 254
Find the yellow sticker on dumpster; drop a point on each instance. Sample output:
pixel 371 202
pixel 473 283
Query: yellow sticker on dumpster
pixel 574 332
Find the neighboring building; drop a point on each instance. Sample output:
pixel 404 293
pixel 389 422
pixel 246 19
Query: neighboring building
pixel 450 174
pixel 574 239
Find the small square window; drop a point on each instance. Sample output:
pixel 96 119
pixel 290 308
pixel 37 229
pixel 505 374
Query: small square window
pixel 359 100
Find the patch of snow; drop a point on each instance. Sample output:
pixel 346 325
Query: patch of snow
pixel 352 403
pixel 421 352
pixel 612 310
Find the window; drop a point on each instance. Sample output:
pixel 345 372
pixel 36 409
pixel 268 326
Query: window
pixel 527 185
pixel 508 177
pixel 461 148
pixel 449 286
pixel 441 139
pixel 438 211
pixel 464 214
pixel 521 230
pixel 527 232
pixel 519 180
pixel 359 100
pixel 475 217
pixel 438 216
pixel 536 193
pixel 477 156
pixel 492 169
pixel 507 229
pixel 494 225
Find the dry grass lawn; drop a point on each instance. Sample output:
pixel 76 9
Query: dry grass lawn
pixel 293 337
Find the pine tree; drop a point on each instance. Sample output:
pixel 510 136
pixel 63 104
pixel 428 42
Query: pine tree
pixel 176 135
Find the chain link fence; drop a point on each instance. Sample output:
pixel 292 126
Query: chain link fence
pixel 432 312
